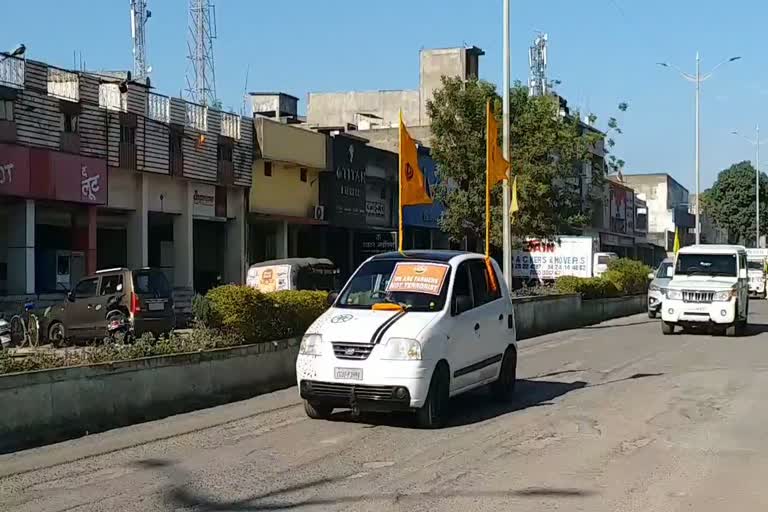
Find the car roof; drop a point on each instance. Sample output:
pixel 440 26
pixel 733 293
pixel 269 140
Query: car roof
pixel 443 256
pixel 712 249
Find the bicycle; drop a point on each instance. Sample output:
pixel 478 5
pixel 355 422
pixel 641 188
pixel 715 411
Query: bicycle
pixel 25 328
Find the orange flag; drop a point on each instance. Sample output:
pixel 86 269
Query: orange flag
pixel 496 170
pixel 413 189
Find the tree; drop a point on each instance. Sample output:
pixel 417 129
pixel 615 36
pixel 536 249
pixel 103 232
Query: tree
pixel 730 202
pixel 548 151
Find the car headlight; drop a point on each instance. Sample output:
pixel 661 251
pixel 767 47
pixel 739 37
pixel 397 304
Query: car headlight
pixel 653 288
pixel 675 294
pixel 401 349
pixel 723 296
pixel 311 345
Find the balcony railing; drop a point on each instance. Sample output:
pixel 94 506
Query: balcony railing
pixel 197 117
pixel 111 98
pixel 230 125
pixel 11 72
pixel 64 85
pixel 159 108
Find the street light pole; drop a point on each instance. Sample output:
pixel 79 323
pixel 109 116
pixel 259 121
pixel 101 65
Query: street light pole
pixel 697 79
pixel 507 243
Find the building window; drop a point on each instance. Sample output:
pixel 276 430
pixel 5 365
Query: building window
pixel 267 168
pixel 127 134
pixel 224 152
pixel 70 122
pixel 176 151
pixel 303 174
pixel 6 110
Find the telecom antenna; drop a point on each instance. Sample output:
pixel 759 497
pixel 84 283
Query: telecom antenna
pixel 139 16
pixel 537 60
pixel 201 75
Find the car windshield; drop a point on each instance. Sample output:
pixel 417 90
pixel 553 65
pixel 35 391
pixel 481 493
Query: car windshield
pixel 371 285
pixel 755 265
pixel 664 271
pixel 706 264
pixel 151 282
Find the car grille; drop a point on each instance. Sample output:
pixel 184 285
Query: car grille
pixel 337 390
pixel 354 351
pixel 697 296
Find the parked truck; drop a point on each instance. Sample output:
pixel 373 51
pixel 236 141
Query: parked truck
pixel 756 262
pixel 545 260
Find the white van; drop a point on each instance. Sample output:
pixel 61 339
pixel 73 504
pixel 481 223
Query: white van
pixel 408 331
pixel 709 286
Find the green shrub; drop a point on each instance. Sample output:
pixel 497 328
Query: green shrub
pixel 201 309
pixel 629 276
pixel 257 317
pixel 589 287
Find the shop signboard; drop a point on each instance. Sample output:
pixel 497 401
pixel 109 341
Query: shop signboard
pixel 14 170
pixel 203 200
pixel 342 190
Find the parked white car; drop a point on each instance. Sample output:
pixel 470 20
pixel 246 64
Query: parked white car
pixel 756 273
pixel 709 287
pixel 657 289
pixel 408 331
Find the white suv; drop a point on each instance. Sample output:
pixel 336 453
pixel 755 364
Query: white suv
pixel 408 331
pixel 710 286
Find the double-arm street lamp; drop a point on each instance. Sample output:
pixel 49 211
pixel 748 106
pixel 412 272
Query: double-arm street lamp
pixel 698 78
pixel 757 143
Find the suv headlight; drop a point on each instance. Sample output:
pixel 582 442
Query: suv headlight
pixel 311 345
pixel 723 296
pixel 675 294
pixel 401 349
pixel 654 288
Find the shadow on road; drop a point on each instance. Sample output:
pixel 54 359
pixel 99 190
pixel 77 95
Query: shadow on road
pixel 180 494
pixel 618 325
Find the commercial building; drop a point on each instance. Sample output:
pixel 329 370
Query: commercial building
pixel 101 172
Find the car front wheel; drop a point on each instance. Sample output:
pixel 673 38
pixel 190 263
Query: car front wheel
pixel 432 413
pixel 504 388
pixel 317 411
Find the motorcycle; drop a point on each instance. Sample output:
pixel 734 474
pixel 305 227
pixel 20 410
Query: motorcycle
pixel 5 334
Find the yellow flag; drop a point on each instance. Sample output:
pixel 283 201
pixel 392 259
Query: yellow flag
pixel 413 189
pixel 677 241
pixel 496 165
pixel 514 206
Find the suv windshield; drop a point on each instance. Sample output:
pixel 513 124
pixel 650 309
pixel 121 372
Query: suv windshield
pixel 706 264
pixel 755 265
pixel 370 285
pixel 151 282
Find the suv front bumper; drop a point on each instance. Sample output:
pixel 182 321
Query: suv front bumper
pixel 677 311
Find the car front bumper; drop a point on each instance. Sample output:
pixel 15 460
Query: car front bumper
pixel 377 390
pixel 655 299
pixel 677 311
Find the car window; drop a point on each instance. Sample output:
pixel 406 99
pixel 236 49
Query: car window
pixel 86 288
pixel 665 271
pixel 481 287
pixel 602 260
pixel 151 282
pixel 461 285
pixel 111 285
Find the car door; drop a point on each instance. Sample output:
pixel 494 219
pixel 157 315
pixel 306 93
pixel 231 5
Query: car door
pixel 489 314
pixel 110 291
pixel 463 349
pixel 79 309
pixel 743 286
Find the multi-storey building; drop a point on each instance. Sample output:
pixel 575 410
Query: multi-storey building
pixel 99 171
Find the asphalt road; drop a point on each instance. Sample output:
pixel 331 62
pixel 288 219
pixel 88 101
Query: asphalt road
pixel 615 417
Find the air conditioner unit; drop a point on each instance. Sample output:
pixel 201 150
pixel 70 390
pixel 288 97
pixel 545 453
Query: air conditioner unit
pixel 319 212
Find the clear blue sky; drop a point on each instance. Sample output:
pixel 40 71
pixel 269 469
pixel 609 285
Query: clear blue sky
pixel 603 51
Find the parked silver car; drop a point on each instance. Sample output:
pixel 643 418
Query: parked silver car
pixel 658 287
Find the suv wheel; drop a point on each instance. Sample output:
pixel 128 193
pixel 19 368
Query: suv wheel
pixel 432 413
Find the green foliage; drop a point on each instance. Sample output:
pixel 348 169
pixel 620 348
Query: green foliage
pixel 629 276
pixel 589 287
pixel 257 317
pixel 547 153
pixel 201 309
pixel 730 203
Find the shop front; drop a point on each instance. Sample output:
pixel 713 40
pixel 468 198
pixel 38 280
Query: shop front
pixel 48 218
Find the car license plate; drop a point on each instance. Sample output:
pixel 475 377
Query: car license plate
pixel 348 373
pixel 156 306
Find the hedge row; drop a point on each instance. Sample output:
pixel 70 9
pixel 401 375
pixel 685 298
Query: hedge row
pixel 257 317
pixel 623 277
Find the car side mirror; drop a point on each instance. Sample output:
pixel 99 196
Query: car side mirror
pixel 331 299
pixel 71 296
pixel 461 303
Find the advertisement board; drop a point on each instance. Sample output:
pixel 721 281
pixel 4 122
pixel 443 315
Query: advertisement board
pixel 549 259
pixel 273 278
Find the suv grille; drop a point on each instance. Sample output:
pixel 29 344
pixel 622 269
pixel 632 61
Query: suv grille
pixel 697 296
pixel 355 351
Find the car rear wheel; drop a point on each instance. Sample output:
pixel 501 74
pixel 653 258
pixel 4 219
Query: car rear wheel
pixel 317 411
pixel 504 388
pixel 432 413
pixel 57 334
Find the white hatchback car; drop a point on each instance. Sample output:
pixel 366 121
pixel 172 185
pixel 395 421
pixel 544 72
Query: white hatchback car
pixel 408 331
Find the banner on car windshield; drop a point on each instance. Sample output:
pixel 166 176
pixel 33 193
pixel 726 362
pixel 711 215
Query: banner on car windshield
pixel 418 278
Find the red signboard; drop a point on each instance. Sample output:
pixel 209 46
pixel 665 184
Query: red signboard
pixel 14 170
